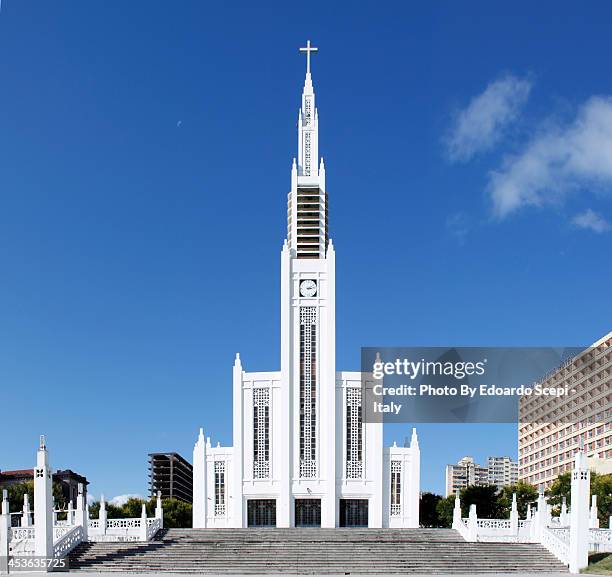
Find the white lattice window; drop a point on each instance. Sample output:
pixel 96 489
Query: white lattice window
pixel 354 434
pixel 307 112
pixel 308 392
pixel 219 488
pixel 307 152
pixel 261 433
pixel 396 488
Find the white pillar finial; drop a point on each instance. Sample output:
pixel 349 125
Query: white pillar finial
pixel 5 502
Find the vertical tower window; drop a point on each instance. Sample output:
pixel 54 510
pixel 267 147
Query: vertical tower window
pixel 354 434
pixel 219 488
pixel 261 433
pixel 308 392
pixel 396 488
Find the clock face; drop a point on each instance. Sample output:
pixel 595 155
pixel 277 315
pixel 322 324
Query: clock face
pixel 308 288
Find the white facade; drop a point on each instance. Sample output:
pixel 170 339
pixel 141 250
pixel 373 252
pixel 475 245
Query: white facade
pixel 301 454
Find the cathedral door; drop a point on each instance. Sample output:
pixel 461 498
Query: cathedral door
pixel 261 512
pixel 353 512
pixel 308 512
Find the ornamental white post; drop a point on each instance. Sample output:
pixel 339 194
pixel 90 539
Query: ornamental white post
pixel 143 523
pixel 579 514
pixel 199 481
pixel 540 517
pixel 514 516
pixel 159 510
pixel 564 519
pixel 81 516
pixel 43 503
pixel 5 527
pixel 102 515
pixel 457 512
pixel 26 517
pixel 70 514
pixel 594 519
pixel 473 524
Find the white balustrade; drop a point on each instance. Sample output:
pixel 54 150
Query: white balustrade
pixel 600 540
pixel 59 531
pixel 68 542
pixel 153 528
pixel 461 526
pixel 124 530
pixel 553 541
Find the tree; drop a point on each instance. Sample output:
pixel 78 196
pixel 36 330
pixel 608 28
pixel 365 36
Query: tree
pixel 18 490
pixel 485 497
pixel 444 509
pixel 561 487
pixel 177 513
pixel 428 512
pixel 602 487
pixel 132 507
pixel 525 494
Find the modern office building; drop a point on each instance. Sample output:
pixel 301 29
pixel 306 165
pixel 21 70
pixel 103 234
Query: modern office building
pixel 465 473
pixel 502 471
pixel 551 429
pixel 172 475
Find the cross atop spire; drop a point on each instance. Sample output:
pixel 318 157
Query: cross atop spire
pixel 308 49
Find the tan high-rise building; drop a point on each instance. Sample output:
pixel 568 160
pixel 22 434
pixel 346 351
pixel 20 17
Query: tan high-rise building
pixel 552 428
pixel 464 474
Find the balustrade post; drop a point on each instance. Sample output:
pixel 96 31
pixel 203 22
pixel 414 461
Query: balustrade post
pixel 579 514
pixel 102 515
pixel 540 518
pixel 610 522
pixel 81 516
pixel 5 527
pixel 143 523
pixel 564 519
pixel 457 512
pixel 514 516
pixel 159 510
pixel 44 510
pixel 26 517
pixel 70 514
pixel 594 519
pixel 473 524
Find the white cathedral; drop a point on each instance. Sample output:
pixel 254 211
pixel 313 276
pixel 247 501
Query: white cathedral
pixel 302 455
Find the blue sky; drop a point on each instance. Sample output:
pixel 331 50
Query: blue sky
pixel 145 150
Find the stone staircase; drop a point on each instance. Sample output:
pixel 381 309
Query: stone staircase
pixel 313 551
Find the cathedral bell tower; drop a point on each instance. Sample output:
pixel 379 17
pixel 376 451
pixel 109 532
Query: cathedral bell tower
pixel 308 344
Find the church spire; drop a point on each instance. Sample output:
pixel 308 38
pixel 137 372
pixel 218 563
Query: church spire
pixel 307 214
pixel 308 129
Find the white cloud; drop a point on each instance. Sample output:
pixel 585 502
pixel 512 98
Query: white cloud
pixel 121 500
pixel 558 160
pixel 589 219
pixel 479 126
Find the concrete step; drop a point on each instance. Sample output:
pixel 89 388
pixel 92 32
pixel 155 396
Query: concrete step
pixel 308 551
